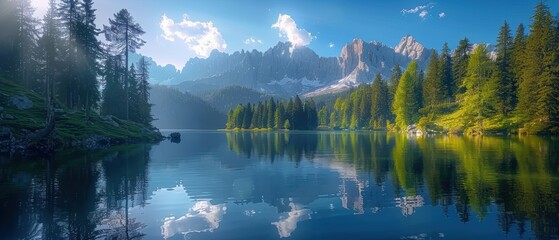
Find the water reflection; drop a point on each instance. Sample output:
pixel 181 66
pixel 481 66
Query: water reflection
pixel 202 217
pixel 288 185
pixel 518 176
pixel 73 196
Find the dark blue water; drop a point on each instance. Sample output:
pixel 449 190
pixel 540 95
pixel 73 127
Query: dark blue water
pixel 298 185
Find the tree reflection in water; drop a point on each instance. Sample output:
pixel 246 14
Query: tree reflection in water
pixel 519 175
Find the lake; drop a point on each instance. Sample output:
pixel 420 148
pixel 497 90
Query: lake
pixel 297 185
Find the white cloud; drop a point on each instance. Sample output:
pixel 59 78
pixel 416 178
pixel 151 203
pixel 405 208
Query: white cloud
pixel 442 15
pixel 331 45
pixel 414 10
pixel 200 37
pixel 420 10
pixel 251 40
pixel 202 217
pixel 286 226
pixel 288 28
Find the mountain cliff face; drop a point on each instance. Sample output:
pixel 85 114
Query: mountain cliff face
pixel 281 72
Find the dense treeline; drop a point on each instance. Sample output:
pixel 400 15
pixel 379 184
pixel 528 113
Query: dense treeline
pixel 469 90
pixel 62 58
pixel 293 114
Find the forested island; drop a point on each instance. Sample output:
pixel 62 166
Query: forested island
pixel 62 87
pixel 514 89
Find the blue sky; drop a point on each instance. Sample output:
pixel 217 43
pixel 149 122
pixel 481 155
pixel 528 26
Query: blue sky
pixel 177 30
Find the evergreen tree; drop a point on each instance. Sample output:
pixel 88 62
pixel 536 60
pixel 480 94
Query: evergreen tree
pixel 123 34
pixel 460 64
pixel 279 116
pixel 475 102
pixel 445 66
pixel 380 103
pixel 25 42
pixel 405 106
pixel 393 84
pixel 539 85
pixel 517 55
pixel 113 102
pixel 433 87
pixel 506 93
pixel 70 16
pixel 48 53
pixel 311 115
pixel 91 51
pixel 143 90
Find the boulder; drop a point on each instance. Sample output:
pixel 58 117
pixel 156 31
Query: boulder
pixel 21 102
pixel 175 137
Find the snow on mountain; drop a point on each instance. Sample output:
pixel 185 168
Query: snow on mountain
pixel 361 61
pixel 281 72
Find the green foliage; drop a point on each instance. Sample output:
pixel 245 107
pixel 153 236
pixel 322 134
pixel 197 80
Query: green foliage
pixel 447 80
pixel 476 101
pixel 433 86
pixel 460 59
pixel 275 114
pixel 539 83
pixel 506 92
pixel 406 106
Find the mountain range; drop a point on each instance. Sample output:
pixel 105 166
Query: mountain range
pixel 284 70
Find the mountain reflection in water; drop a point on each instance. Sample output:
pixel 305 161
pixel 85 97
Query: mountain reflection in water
pixel 327 185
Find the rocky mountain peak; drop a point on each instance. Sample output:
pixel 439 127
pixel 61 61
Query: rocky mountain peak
pixel 409 47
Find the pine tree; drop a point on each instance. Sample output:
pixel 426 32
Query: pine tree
pixel 124 33
pixel 48 53
pixel 506 93
pixel 539 85
pixel 25 42
pixel 393 84
pixel 460 64
pixel 113 102
pixel 143 89
pixel 517 55
pixel 405 107
pixel 70 16
pixel 432 88
pixel 91 51
pixel 447 80
pixel 475 102
pixel 380 107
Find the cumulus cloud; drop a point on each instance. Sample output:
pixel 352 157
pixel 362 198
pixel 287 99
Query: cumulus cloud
pixel 200 37
pixel 442 15
pixel 423 14
pixel 202 217
pixel 251 40
pixel 331 45
pixel 288 28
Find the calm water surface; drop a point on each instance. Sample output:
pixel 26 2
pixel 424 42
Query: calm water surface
pixel 298 185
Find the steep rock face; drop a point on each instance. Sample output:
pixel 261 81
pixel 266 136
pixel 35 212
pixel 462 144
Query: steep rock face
pixel 286 71
pixel 361 61
pixel 278 71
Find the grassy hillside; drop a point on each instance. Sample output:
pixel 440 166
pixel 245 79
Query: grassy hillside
pixel 229 97
pixel 71 128
pixel 175 109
